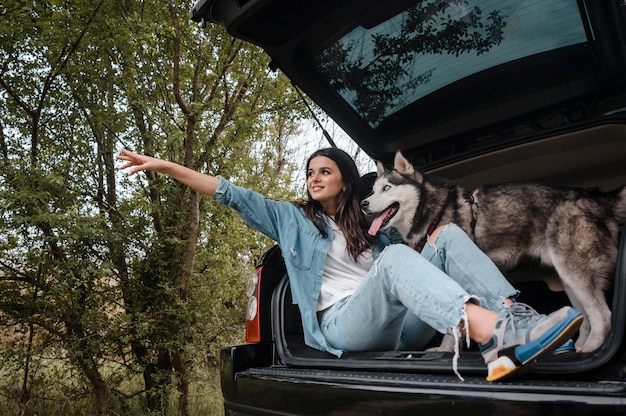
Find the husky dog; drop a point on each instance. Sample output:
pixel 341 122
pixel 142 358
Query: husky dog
pixel 575 230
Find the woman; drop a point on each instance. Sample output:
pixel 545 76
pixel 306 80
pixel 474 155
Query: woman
pixel 356 292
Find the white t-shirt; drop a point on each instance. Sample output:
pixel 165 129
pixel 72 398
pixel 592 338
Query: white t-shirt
pixel 342 275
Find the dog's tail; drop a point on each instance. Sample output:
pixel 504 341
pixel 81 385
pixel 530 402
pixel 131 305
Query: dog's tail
pixel 619 204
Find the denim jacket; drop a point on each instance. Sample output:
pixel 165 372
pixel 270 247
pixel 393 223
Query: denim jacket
pixel 303 247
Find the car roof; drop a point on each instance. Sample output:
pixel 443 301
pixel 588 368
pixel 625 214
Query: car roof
pixel 439 78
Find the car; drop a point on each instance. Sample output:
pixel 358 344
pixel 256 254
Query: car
pixel 474 91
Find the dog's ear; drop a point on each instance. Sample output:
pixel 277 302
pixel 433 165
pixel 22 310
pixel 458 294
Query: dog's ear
pixel 402 165
pixel 380 169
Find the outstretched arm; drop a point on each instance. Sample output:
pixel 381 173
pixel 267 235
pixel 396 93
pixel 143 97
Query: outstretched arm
pixel 201 182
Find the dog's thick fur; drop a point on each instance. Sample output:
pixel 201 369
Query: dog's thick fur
pixel 575 230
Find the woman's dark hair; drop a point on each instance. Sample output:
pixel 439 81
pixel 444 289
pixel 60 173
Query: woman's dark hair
pixel 348 216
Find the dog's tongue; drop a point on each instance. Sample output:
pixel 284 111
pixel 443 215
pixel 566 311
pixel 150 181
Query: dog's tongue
pixel 378 222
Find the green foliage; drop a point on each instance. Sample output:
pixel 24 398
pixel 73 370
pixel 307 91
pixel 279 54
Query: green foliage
pixel 117 291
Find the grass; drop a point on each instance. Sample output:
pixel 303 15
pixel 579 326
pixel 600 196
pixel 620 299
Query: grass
pixel 56 390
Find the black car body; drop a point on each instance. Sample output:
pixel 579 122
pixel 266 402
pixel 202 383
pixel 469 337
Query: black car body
pixel 477 92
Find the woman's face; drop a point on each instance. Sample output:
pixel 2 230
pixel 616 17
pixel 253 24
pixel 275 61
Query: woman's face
pixel 324 182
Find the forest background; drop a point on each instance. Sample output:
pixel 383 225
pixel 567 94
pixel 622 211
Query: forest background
pixel 116 293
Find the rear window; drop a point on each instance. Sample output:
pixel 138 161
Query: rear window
pixel 381 70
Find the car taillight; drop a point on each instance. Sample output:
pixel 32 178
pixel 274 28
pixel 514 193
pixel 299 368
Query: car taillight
pixel 253 320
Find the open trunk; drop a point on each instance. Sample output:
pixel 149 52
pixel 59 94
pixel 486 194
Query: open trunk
pixel 591 156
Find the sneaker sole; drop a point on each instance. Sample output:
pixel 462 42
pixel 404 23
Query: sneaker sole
pixel 523 356
pixel 569 346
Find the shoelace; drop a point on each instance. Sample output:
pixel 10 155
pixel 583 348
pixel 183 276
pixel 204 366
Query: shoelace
pixel 519 310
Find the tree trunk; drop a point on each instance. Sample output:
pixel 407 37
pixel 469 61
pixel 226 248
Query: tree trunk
pixel 99 387
pixel 156 377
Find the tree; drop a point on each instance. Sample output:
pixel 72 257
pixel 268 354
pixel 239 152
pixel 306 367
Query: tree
pixel 147 276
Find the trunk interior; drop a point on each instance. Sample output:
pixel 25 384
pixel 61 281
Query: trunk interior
pixel 593 156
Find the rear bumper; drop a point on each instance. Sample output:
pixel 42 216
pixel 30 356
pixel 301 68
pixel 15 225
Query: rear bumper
pixel 280 390
pixel 239 358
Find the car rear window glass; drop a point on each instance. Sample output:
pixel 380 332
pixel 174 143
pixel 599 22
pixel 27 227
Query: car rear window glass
pixel 378 71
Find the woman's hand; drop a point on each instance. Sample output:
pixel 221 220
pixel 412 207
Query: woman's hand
pixel 139 163
pixel 201 182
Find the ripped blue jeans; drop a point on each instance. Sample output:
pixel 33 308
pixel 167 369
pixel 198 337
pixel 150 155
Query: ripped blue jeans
pixel 406 296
